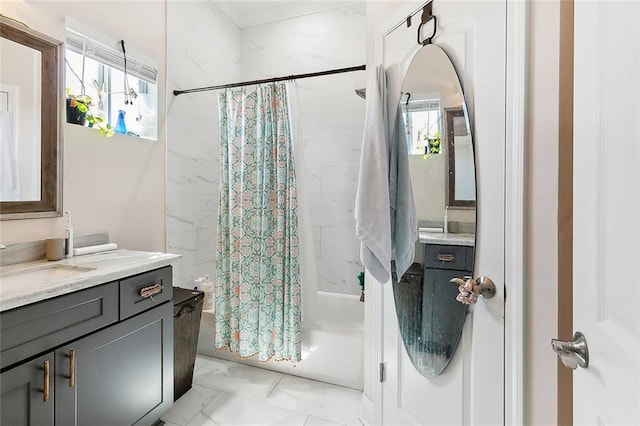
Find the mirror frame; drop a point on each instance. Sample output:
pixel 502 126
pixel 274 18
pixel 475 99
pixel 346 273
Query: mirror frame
pixel 450 115
pixel 50 203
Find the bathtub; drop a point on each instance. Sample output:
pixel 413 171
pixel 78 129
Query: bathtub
pixel 332 345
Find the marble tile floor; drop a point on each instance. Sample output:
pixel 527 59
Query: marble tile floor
pixel 227 393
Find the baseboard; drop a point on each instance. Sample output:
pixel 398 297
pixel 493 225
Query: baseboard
pixel 367 411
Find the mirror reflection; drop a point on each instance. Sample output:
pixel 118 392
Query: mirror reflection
pixel 30 141
pixel 441 163
pixel 19 122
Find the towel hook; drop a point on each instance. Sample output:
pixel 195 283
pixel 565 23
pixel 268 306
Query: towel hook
pixel 427 15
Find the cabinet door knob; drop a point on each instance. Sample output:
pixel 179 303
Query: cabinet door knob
pixel 45 391
pixel 471 288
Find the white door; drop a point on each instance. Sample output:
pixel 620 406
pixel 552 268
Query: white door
pixel 471 388
pixel 607 210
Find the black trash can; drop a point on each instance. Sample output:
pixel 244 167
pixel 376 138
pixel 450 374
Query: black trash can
pixel 187 310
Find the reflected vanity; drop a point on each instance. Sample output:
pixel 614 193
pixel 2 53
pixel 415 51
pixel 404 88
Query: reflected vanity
pixel 30 141
pixel 441 163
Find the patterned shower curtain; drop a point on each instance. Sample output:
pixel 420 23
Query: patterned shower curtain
pixel 258 298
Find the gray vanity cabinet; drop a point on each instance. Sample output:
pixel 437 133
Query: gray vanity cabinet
pixel 442 315
pixel 27 396
pixel 108 350
pixel 120 374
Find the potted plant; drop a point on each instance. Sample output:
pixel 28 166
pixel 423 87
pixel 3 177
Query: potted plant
pixel 79 109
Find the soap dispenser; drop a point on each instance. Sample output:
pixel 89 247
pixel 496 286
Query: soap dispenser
pixel 68 236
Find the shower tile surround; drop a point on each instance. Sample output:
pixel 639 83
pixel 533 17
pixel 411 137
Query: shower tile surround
pixel 205 48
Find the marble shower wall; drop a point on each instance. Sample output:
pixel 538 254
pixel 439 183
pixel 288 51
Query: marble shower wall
pixel 331 120
pixel 206 49
pixel 203 48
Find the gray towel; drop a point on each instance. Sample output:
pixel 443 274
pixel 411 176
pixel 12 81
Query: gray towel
pixel 372 210
pixel 404 226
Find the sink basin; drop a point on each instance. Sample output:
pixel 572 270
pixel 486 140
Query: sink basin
pixel 40 274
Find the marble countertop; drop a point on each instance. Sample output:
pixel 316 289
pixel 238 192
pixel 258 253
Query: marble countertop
pixel 447 239
pixel 17 289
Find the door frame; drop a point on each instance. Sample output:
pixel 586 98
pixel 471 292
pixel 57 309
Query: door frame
pixel 517 100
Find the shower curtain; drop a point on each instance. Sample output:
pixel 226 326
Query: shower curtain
pixel 258 295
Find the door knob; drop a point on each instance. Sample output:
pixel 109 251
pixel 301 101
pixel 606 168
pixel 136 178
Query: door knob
pixel 572 353
pixel 471 288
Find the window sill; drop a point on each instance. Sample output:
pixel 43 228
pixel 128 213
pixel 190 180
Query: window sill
pixel 116 135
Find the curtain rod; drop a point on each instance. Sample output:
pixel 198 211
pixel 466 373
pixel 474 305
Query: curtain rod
pixel 271 80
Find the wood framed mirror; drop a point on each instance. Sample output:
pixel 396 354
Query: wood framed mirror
pixel 461 186
pixel 30 122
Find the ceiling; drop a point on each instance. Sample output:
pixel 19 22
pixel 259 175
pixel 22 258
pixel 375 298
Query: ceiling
pixel 247 13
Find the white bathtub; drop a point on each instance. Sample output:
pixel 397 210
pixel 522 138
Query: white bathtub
pixel 332 348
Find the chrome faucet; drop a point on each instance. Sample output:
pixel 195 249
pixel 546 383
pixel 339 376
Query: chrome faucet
pixel 2 246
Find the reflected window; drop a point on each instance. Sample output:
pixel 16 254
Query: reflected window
pixel 423 121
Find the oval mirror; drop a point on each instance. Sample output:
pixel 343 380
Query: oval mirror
pixel 441 163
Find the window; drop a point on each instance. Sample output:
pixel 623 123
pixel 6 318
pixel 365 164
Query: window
pixel 98 71
pixel 423 126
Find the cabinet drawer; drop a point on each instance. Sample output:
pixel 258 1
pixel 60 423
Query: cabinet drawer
pixel 35 328
pixel 446 257
pixel 144 291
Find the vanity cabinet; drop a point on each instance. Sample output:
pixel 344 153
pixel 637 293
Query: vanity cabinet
pixel 24 400
pixel 441 264
pixel 117 376
pixel 117 371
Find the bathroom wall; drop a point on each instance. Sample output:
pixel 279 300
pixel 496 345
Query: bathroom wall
pixel 203 49
pixel 118 184
pixel 428 179
pixel 331 120
pixel 542 224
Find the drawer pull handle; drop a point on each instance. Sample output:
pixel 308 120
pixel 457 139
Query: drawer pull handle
pixel 150 291
pixel 46 381
pixel 446 257
pixel 72 368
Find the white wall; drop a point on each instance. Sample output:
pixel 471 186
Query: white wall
pixel 203 48
pixel 542 228
pixel 118 184
pixel 331 121
pixel 428 180
pixel 207 49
